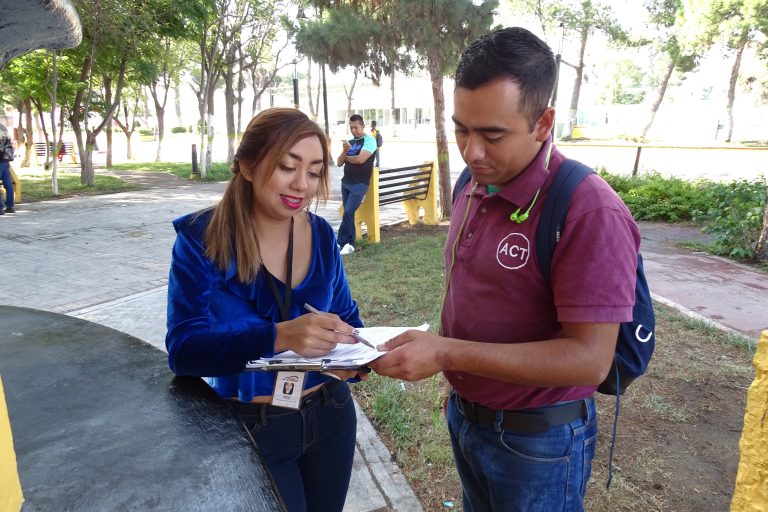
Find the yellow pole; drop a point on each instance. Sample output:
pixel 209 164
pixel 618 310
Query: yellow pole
pixel 751 492
pixel 11 496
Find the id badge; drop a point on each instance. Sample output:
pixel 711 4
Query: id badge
pixel 288 388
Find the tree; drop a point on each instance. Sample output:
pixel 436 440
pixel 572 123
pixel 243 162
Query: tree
pixel 667 16
pixel 370 35
pixel 584 17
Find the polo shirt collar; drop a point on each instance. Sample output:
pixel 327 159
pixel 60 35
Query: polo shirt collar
pixel 523 187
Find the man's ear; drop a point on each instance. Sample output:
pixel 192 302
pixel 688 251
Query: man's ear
pixel 544 124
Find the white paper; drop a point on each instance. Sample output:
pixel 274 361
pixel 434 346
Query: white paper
pixel 343 356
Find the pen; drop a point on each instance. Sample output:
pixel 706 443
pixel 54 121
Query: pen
pixel 354 334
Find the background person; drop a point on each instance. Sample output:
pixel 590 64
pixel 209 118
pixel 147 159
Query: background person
pixel 376 134
pixel 240 274
pixel 7 154
pixel 522 357
pixel 356 156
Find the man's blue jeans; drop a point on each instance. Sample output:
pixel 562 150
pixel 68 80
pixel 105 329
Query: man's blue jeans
pixel 509 471
pixel 309 452
pixel 7 180
pixel 352 195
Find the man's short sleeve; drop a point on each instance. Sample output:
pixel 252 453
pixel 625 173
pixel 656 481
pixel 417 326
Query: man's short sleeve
pixel 369 144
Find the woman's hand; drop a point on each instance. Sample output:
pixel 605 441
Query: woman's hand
pixel 312 335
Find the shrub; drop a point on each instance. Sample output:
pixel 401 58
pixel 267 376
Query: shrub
pixel 734 214
pixel 146 132
pixel 178 129
pixel 654 197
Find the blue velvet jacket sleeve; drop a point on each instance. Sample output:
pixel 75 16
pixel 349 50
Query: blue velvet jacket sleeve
pixel 216 323
pixel 198 342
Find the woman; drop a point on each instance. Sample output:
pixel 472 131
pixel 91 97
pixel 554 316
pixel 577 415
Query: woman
pixel 240 275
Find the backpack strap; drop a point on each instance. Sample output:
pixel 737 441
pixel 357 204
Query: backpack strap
pixel 555 210
pixel 461 182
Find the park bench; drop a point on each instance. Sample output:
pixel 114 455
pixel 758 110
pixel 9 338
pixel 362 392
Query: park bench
pixel 415 186
pixel 65 149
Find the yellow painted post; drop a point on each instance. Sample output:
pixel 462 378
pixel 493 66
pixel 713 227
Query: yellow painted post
pixel 369 212
pixel 11 496
pixel 751 492
pixel 16 188
pixel 429 203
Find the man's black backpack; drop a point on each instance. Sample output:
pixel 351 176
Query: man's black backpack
pixel 636 340
pixel 7 151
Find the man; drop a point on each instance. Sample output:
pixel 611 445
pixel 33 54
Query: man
pixel 357 158
pixel 7 153
pixel 522 357
pixel 376 134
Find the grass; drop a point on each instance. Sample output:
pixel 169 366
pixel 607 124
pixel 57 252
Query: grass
pixel 219 170
pixel 400 282
pixel 38 187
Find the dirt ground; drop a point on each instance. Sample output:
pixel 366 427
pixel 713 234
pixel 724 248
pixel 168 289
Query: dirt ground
pixel 677 447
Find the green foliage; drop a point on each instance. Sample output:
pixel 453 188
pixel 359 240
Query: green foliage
pixel 734 214
pixel 146 132
pixel 38 187
pixel 178 129
pixel 654 197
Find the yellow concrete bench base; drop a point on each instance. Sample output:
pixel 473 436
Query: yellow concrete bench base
pixel 10 488
pixel 414 186
pixel 16 190
pixel 751 492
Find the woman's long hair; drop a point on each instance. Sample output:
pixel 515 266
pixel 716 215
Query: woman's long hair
pixel 269 136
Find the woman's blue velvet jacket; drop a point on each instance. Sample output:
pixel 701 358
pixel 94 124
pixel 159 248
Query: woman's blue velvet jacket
pixel 217 323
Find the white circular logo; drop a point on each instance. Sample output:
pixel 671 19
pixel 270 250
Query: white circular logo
pixel 513 251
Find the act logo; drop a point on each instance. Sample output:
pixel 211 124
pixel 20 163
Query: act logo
pixel 513 251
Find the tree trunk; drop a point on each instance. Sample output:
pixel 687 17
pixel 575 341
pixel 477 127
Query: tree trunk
pixel 54 86
pixel 732 83
pixel 761 249
pixel 395 112
pixel 349 93
pixel 312 105
pixel 86 169
pixel 229 112
pixel 659 97
pixel 574 107
pixel 29 133
pixel 443 162
pixel 108 130
pixel 177 100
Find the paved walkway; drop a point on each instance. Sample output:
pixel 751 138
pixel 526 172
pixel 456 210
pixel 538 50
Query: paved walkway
pixel 105 259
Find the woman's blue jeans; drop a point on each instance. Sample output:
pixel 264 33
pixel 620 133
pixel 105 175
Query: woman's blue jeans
pixel 352 195
pixel 309 452
pixel 509 471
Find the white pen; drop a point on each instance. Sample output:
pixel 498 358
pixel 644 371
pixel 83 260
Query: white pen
pixel 355 333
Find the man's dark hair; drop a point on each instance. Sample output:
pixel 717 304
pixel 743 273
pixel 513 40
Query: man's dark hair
pixel 358 118
pixel 516 54
pixel 373 123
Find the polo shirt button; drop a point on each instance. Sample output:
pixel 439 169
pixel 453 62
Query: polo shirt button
pixel 484 209
pixel 469 235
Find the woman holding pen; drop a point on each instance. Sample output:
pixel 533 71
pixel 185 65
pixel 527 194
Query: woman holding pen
pixel 240 276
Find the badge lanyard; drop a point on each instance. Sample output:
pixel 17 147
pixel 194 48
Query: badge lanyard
pixel 288 385
pixel 284 304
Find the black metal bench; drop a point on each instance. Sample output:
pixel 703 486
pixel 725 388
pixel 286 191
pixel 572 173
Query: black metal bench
pixel 415 186
pixel 66 148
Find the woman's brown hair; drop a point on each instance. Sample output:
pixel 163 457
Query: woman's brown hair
pixel 269 136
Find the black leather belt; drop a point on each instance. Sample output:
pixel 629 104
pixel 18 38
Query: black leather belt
pixel 536 420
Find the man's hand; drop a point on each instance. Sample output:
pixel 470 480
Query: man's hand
pixel 413 355
pixel 345 145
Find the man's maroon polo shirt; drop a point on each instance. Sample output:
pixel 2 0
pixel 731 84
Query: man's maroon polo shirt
pixel 497 294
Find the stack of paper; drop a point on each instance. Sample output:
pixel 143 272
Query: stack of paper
pixel 343 357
